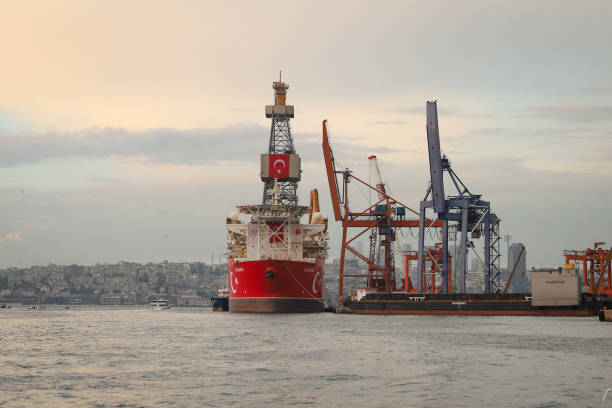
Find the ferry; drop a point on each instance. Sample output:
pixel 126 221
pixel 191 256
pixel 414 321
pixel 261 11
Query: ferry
pixel 160 304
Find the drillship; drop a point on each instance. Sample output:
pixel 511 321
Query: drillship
pixel 275 262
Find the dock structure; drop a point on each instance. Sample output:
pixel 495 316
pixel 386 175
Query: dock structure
pixel 465 213
pixel 433 290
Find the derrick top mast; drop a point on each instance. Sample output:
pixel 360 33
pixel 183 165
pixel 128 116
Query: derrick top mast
pixel 280 166
pixel 280 92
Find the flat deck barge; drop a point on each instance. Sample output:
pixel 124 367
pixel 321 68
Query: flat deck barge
pixel 515 304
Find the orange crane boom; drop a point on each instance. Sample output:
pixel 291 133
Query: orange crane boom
pixel 330 167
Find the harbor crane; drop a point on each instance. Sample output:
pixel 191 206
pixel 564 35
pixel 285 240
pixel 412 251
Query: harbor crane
pixel 593 262
pixel 384 216
pixel 470 213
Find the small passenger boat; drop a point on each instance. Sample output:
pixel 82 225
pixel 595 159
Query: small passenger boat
pixel 160 304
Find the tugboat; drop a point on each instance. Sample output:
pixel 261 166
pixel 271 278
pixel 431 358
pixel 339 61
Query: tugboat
pixel 275 262
pixel 220 303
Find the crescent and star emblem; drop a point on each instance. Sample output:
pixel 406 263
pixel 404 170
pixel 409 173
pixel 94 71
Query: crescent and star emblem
pixel 232 280
pixel 278 169
pixel 314 283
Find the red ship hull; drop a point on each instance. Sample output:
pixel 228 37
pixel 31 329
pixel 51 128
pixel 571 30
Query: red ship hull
pixel 275 286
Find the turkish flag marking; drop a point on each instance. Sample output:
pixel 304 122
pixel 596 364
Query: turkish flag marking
pixel 279 166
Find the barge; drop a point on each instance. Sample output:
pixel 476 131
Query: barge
pixel 555 292
pixel 514 304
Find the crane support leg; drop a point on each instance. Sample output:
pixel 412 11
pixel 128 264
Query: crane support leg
pixel 388 255
pixel 463 265
pixel 445 256
pixel 420 261
pixel 487 253
pixel 341 269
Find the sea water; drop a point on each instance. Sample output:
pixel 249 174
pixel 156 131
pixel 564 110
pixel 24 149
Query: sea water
pixel 190 357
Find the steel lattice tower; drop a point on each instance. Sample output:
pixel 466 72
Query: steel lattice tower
pixel 495 256
pixel 281 142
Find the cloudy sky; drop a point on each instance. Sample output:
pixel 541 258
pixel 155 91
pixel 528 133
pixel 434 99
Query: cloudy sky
pixel 130 129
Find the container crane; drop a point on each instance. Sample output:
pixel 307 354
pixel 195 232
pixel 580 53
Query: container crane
pixel 469 211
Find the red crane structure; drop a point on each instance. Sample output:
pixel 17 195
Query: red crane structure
pixel 433 260
pixel 383 216
pixel 594 261
pixel 374 280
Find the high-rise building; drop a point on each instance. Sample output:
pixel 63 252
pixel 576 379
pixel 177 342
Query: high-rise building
pixel 520 282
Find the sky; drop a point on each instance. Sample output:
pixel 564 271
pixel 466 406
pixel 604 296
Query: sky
pixel 129 130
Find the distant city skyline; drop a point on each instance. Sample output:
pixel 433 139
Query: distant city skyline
pixel 521 280
pixel 130 130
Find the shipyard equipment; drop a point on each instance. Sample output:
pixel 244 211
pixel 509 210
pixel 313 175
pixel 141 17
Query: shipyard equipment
pixel 471 214
pixel 377 236
pixel 556 292
pixel 595 265
pixel 431 270
pixel 384 216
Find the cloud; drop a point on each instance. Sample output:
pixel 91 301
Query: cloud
pixel 104 180
pixel 388 122
pixel 417 110
pixel 195 146
pixel 407 110
pixel 11 237
pixel 443 111
pixel 9 121
pixel 490 131
pixel 164 145
pixel 572 113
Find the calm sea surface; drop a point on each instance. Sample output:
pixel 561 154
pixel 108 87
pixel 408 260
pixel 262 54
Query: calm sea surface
pixel 98 357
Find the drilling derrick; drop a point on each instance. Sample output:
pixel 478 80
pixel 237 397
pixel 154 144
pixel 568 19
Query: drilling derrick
pixel 281 165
